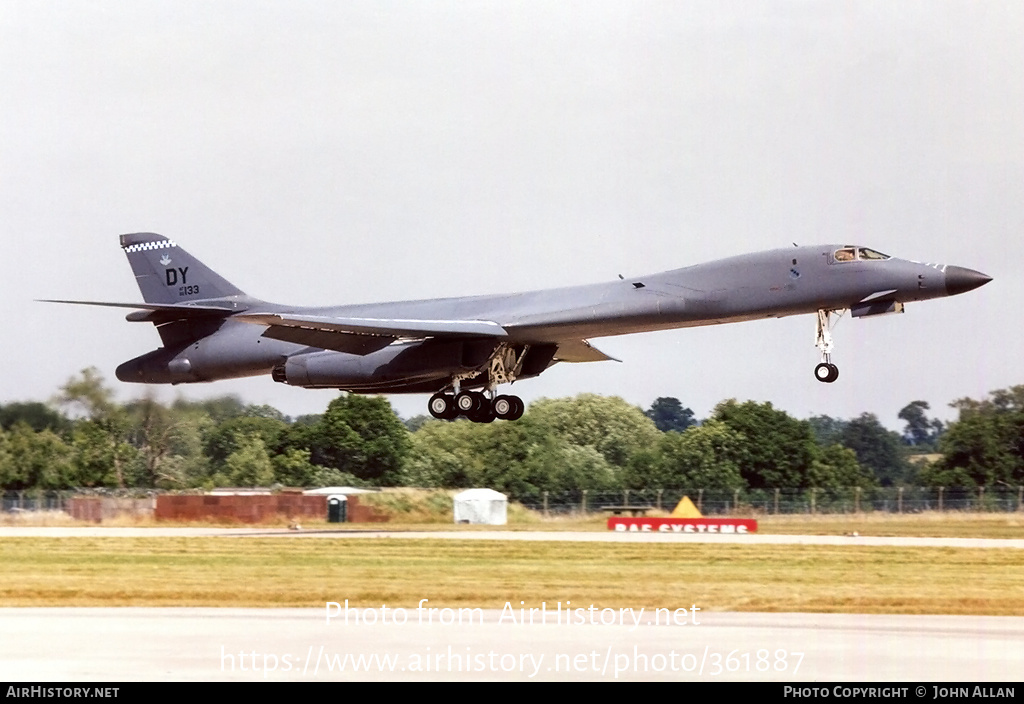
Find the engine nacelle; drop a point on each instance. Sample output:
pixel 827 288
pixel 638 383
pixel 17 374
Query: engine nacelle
pixel 160 366
pixel 404 363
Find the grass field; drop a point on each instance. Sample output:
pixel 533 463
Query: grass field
pixel 931 524
pixel 396 572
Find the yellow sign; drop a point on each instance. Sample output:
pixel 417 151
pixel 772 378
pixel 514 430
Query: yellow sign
pixel 686 509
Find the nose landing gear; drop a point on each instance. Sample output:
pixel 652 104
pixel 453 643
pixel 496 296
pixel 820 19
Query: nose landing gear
pixel 826 371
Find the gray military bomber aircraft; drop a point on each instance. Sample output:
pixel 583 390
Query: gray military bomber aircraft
pixel 461 349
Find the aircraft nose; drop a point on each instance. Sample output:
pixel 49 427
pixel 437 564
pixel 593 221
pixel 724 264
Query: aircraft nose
pixel 961 280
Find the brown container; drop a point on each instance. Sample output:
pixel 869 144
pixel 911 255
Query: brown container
pixel 244 508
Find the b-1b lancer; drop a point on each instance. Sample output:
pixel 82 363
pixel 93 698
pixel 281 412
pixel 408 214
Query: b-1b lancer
pixel 462 349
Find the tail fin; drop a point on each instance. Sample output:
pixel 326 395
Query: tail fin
pixel 166 273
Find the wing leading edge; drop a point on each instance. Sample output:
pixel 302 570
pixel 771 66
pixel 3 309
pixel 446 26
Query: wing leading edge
pixel 363 336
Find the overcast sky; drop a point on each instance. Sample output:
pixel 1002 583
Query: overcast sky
pixel 325 153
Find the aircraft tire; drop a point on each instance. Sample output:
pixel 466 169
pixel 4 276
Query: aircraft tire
pixel 441 406
pixel 826 373
pixel 504 407
pixel 519 409
pixel 468 403
pixel 485 414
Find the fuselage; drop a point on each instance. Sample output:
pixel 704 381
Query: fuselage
pixel 783 282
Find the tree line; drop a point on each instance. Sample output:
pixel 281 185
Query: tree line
pixel 82 438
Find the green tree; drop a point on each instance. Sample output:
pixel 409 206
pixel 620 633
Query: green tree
pixel 777 450
pixel 836 467
pixel 152 427
pixel 293 468
pixel 706 456
pixel 552 464
pixel 173 443
pixel 521 459
pixel 360 435
pixel 221 440
pixel 87 394
pixel 446 455
pixel 249 464
pixel 36 415
pixel 94 457
pixel 827 430
pixel 669 414
pixel 8 478
pixel 416 422
pixel 264 411
pixel 611 426
pixel 985 445
pixel 463 454
pixel 921 431
pixel 877 448
pixel 218 409
pixel 36 460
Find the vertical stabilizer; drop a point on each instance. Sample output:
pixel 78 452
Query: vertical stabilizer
pixel 166 273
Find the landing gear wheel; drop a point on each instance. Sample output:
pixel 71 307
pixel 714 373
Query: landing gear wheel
pixel 508 407
pixel 484 415
pixel 468 403
pixel 826 372
pixel 503 407
pixel 440 405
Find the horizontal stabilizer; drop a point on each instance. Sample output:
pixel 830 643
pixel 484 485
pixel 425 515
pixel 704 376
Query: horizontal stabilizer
pixel 156 312
pixel 581 351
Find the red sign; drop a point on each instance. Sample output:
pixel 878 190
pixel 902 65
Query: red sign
pixel 682 525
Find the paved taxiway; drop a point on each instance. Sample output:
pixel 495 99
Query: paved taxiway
pixel 130 644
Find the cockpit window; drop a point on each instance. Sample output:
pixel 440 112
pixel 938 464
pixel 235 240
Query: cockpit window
pixel 851 254
pixel 866 253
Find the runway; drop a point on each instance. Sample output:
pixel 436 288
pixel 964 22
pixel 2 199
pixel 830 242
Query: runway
pixel 566 536
pixel 148 644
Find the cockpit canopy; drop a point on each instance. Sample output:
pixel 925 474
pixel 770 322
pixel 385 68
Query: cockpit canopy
pixel 851 253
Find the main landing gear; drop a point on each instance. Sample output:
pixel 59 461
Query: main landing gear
pixel 826 371
pixel 476 406
pixel 503 366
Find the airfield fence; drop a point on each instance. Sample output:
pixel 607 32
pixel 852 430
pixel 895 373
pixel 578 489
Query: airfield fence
pixel 710 502
pixel 726 502
pixel 43 500
pixel 19 501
